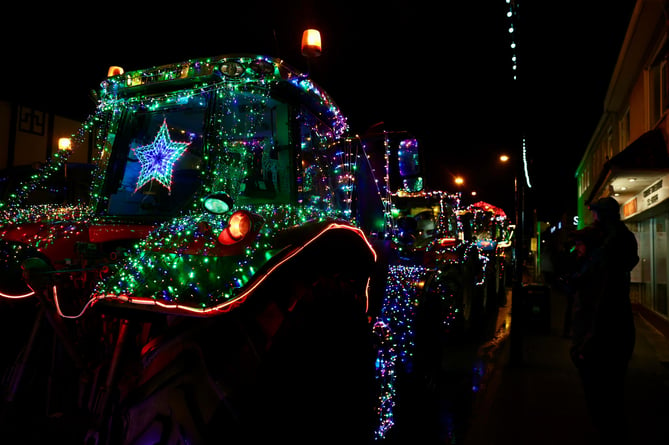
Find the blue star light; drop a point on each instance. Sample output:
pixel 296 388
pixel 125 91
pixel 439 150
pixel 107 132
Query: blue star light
pixel 157 159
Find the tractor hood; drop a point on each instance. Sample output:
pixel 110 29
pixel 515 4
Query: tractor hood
pixel 192 265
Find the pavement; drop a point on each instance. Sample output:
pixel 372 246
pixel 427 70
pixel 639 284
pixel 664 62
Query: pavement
pixel 530 392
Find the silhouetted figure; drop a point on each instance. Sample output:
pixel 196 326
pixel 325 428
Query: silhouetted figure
pixel 575 274
pixel 603 322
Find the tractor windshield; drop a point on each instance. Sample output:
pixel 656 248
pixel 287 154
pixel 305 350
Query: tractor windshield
pixel 157 159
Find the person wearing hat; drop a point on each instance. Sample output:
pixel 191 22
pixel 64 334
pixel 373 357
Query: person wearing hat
pixel 604 333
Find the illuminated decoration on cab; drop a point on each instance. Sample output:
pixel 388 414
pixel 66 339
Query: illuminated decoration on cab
pixel 157 159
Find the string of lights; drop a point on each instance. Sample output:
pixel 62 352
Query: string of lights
pixel 512 14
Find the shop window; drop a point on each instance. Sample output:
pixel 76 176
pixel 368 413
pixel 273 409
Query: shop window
pixel 658 98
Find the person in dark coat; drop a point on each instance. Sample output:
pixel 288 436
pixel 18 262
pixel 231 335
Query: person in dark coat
pixel 603 321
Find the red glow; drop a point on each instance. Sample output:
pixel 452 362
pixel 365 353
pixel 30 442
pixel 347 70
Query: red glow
pixel 448 242
pixel 240 224
pixel 238 227
pixel 102 233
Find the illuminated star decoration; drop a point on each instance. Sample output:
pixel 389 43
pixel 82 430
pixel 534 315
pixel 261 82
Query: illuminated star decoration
pixel 157 159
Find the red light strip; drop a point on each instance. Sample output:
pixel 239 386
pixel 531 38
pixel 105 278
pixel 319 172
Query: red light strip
pixel 17 297
pixel 55 300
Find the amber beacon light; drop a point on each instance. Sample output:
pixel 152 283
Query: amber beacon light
pixel 311 43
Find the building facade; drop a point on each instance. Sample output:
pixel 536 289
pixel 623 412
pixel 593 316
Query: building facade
pixel 29 139
pixel 29 135
pixel 627 155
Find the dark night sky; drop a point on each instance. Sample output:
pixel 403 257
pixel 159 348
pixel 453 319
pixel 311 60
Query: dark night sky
pixel 441 71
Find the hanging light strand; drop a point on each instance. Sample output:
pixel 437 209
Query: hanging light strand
pixel 511 14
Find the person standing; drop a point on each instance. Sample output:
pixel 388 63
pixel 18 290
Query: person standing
pixel 576 273
pixel 604 333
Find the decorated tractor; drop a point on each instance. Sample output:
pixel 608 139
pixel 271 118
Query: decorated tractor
pixel 489 228
pixel 232 269
pixel 432 231
pixel 442 287
pixel 428 233
pixel 213 283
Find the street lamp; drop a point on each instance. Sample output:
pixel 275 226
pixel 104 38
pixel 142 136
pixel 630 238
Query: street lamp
pixel 65 146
